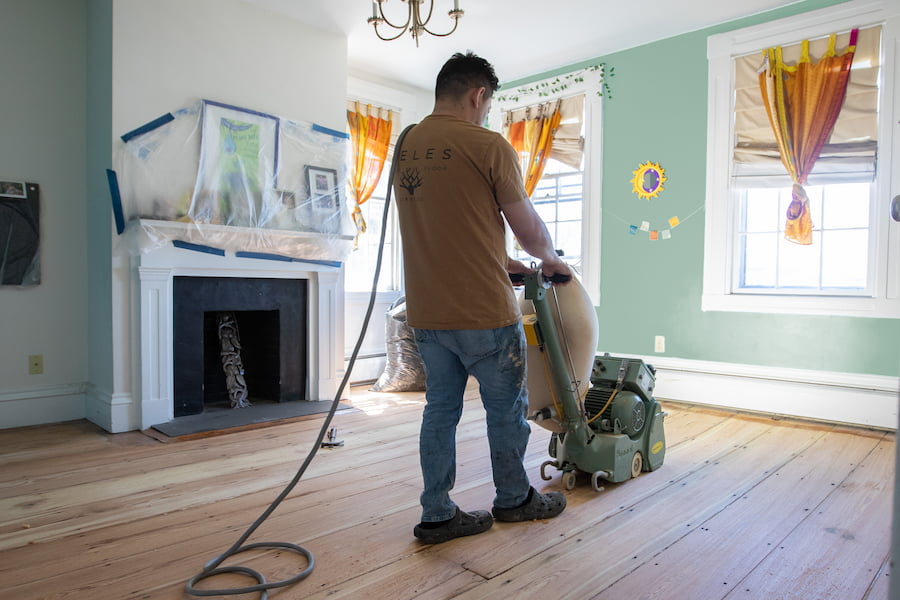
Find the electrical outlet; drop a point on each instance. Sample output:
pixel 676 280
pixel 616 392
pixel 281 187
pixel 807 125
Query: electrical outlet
pixel 659 343
pixel 35 364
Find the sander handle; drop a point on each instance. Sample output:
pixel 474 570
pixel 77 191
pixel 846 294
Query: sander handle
pixel 518 279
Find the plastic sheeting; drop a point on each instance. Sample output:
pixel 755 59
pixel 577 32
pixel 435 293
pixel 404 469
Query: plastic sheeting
pixel 233 179
pixel 404 370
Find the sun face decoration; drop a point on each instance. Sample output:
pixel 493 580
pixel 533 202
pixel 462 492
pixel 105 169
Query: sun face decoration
pixel 648 180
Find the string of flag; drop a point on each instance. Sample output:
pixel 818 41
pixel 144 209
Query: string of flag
pixel 654 234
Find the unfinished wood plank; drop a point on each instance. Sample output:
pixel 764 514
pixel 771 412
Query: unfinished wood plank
pixel 356 507
pixel 613 543
pixel 837 551
pixel 317 492
pixel 414 576
pixel 753 524
pixel 880 588
pixel 586 507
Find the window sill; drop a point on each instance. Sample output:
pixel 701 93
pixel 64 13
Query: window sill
pixel 877 308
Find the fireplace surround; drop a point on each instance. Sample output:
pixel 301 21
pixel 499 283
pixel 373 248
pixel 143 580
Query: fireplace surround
pixel 155 275
pixel 270 319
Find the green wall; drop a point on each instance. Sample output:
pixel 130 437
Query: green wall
pixel 657 113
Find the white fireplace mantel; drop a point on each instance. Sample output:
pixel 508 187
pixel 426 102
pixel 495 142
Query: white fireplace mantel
pixel 154 274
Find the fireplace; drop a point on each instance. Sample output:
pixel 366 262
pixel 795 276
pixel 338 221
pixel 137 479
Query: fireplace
pixel 301 300
pixel 270 316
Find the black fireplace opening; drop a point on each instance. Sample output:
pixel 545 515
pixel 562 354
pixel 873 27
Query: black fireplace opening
pixel 270 317
pixel 258 355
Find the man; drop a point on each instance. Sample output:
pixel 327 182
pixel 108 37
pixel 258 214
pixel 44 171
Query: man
pixel 455 182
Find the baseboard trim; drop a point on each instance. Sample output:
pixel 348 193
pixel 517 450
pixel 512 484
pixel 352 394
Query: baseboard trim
pixel 845 398
pixel 40 405
pixel 113 412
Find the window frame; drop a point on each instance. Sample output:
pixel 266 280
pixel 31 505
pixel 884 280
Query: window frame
pixel 721 199
pixel 591 85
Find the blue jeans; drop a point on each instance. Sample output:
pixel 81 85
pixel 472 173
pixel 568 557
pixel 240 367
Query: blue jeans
pixel 496 358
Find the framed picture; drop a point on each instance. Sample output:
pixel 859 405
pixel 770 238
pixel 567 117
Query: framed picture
pixel 238 161
pixel 20 230
pixel 323 189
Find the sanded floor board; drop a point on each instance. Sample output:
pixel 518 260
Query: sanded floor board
pixel 356 507
pixel 613 544
pixel 300 514
pixel 719 440
pixel 587 508
pixel 421 576
pixel 119 496
pixel 176 558
pixel 836 552
pixel 881 585
pixel 734 541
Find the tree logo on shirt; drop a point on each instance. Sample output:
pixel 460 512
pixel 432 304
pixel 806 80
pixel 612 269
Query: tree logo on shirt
pixel 410 180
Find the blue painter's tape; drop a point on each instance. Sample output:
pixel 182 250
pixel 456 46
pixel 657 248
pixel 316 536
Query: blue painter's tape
pixel 155 123
pixel 116 196
pixel 280 257
pixel 332 132
pixel 239 109
pixel 198 248
pixel 327 263
pixel 263 255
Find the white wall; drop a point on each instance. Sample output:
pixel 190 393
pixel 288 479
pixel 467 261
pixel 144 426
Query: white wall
pixel 168 54
pixel 158 57
pixel 42 66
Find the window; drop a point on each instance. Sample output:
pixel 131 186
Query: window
pixel 361 263
pixel 853 264
pixel 836 263
pixel 567 197
pixel 558 200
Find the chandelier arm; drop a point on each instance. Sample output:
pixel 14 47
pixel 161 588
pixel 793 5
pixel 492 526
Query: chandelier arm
pixel 419 13
pixel 455 25
pixel 404 27
pixel 389 39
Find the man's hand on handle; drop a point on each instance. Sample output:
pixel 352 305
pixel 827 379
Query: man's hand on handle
pixel 555 271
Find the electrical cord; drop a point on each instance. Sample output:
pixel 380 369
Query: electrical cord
pixel 212 568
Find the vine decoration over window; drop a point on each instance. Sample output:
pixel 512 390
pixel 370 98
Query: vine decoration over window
pixel 557 85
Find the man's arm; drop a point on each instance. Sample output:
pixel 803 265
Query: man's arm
pixel 532 235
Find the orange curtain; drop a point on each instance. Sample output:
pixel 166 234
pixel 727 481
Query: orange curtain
pixel 532 138
pixel 803 102
pixel 370 137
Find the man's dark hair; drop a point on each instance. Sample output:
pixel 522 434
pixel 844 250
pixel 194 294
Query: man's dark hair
pixel 463 72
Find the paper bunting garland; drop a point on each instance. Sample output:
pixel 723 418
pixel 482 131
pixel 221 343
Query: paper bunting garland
pixel 655 234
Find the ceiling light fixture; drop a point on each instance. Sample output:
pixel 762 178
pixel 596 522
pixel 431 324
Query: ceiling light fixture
pixel 414 23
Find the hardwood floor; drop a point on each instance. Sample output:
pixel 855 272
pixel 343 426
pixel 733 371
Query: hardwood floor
pixel 745 507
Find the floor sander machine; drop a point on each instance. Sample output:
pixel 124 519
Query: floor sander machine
pixel 600 408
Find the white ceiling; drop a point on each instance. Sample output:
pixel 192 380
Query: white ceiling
pixel 520 37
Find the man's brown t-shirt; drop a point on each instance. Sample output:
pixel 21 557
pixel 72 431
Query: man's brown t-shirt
pixel 452 178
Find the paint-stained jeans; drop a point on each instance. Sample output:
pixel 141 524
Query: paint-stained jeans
pixel 496 358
